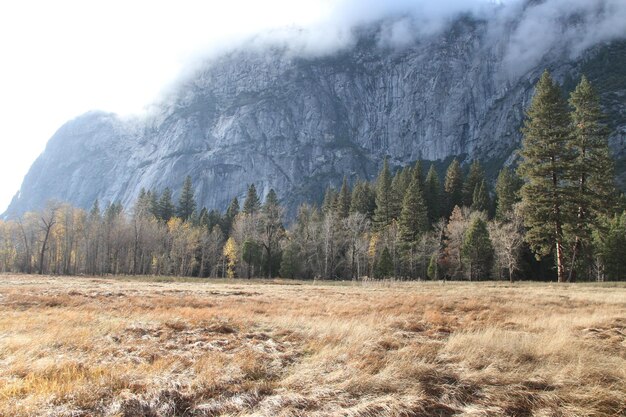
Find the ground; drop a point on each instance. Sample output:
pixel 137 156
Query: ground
pixel 74 346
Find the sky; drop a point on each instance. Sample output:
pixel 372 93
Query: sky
pixel 63 58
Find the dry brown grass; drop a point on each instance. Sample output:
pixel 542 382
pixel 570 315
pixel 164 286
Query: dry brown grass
pixel 120 347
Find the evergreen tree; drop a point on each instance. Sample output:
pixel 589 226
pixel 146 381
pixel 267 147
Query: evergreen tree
pixel 165 207
pixel 507 192
pixel 593 166
pixel 363 200
pixel 252 204
pixel 432 195
pixel 399 185
pixel 186 202
pixel 433 267
pixel 453 186
pixel 290 264
pixel 417 174
pixel 329 205
pixel 477 250
pixel 251 255
pixel 233 208
pixel 226 222
pixel 272 229
pixel 480 199
pixel 215 218
pixel 546 165
pixel 344 200
pixel 203 218
pixel 414 216
pixel 610 244
pixel 142 205
pixel 474 178
pixel 385 198
pixel 384 267
pixel 154 203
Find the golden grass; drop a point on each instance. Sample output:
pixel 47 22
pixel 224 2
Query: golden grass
pixel 125 347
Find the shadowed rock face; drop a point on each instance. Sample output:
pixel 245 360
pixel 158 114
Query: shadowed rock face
pixel 297 124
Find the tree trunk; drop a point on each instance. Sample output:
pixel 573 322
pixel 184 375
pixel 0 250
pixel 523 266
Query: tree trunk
pixel 43 249
pixel 560 269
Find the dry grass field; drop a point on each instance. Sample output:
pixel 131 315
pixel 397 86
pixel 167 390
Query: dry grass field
pixel 125 347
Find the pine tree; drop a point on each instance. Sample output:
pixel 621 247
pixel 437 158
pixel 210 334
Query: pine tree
pixel 252 204
pixel 385 198
pixel 432 195
pixel 344 200
pixel 610 246
pixel 215 218
pixel 233 208
pixel 290 264
pixel 399 185
pixel 165 207
pixel 417 173
pixel 203 218
pixel 154 203
pixel 546 165
pixel 474 178
pixel 433 267
pixel 142 205
pixel 186 202
pixel 251 255
pixel 272 229
pixel 507 193
pixel 480 198
pixel 453 186
pixel 477 250
pixel 384 267
pixel 414 217
pixel 329 205
pixel 363 200
pixel 226 222
pixel 593 166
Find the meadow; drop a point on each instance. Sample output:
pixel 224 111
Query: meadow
pixel 81 346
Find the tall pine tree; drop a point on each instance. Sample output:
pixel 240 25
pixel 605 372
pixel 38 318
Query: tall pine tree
pixel 477 251
pixel 252 204
pixel 413 217
pixel 474 178
pixel 186 202
pixel 432 195
pixel 385 198
pixel 165 207
pixel 507 193
pixel 547 159
pixel 344 200
pixel 480 198
pixel 593 167
pixel 363 199
pixel 453 186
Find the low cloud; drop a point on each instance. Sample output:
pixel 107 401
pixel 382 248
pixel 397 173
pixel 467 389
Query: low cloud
pixel 531 28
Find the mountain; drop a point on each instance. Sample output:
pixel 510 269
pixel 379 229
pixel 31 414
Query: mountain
pixel 297 123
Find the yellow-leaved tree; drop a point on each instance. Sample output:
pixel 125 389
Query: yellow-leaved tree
pixel 230 253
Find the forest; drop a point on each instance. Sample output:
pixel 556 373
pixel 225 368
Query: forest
pixel 556 215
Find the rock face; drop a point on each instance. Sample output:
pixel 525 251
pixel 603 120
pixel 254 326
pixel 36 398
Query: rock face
pixel 298 124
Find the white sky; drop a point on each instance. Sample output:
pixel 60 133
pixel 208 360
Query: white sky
pixel 59 59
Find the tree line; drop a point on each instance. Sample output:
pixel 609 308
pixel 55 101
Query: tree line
pixel 555 216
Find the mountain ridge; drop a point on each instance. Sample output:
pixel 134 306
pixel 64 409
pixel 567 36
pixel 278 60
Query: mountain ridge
pixel 298 124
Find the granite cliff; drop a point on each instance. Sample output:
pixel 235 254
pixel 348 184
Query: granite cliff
pixel 298 123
